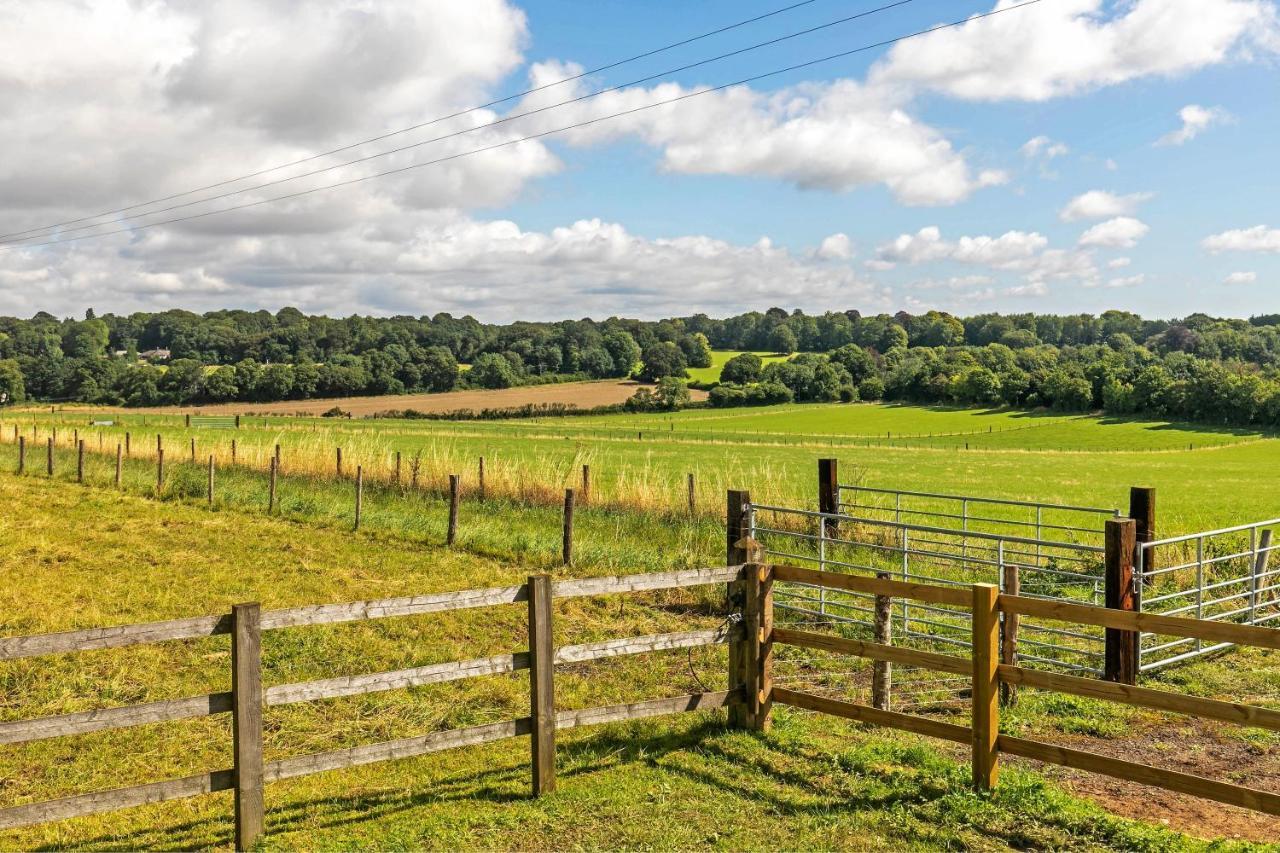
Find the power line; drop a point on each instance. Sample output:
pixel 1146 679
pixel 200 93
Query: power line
pixel 545 133
pixel 429 122
pixel 504 120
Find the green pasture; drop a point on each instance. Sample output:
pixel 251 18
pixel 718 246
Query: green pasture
pixel 81 556
pixel 720 356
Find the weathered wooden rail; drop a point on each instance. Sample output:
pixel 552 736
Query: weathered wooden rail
pixel 245 701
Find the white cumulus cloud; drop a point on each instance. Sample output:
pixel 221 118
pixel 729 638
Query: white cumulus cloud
pixel 1241 278
pixel 1195 118
pixel 1123 232
pixel 1259 238
pixel 1100 204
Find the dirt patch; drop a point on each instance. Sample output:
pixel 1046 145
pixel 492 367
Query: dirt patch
pixel 1200 747
pixel 584 395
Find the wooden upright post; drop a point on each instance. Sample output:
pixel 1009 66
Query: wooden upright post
pixel 758 635
pixel 451 534
pixel 246 722
pixel 127 450
pixel 359 493
pixel 1009 634
pixel 193 450
pixel 119 463
pixel 480 481
pixel 233 451
pixel 49 460
pixel 210 479
pixel 338 467
pixel 693 502
pixel 79 460
pixel 542 708
pixel 397 469
pixel 586 485
pixel 159 470
pixel 22 454
pixel 187 422
pixel 986 695
pixel 271 488
pixel 736 555
pixel 882 670
pixel 1121 651
pixel 1142 509
pixel 829 494
pixel 566 550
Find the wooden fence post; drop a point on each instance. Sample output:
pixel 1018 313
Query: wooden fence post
pixel 119 463
pixel 234 455
pixel 359 494
pixel 1142 509
pixel 542 703
pixel 735 555
pixel 829 494
pixel 246 722
pixel 986 696
pixel 1009 634
pixel 277 457
pixel 1121 652
pixel 338 467
pixel 22 454
pixel 159 470
pixel 586 484
pixel 692 494
pixel 757 630
pixel 397 469
pixel 210 479
pixel 79 460
pixel 237 422
pixel 187 422
pixel 159 443
pixel 271 489
pixel 451 534
pixel 193 451
pixel 49 460
pixel 566 545
pixel 127 450
pixel 480 482
pixel 882 670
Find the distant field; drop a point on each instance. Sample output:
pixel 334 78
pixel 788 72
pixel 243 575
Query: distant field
pixel 720 356
pixel 584 395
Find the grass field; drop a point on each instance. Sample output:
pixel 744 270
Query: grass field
pixel 720 356
pixel 78 556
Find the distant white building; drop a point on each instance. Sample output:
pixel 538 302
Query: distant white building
pixel 154 355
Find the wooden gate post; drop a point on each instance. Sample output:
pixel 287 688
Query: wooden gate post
pixel 566 545
pixel 986 695
pixel 829 494
pixel 1142 509
pixel 758 633
pixel 451 534
pixel 542 702
pixel 735 555
pixel 246 722
pixel 1121 651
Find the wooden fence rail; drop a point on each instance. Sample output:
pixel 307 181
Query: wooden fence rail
pixel 988 673
pixel 247 698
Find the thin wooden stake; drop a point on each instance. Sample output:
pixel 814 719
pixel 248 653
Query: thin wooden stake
pixel 119 462
pixel 210 479
pixel 480 482
pixel 339 463
pixel 233 451
pixel 986 693
pixel 566 546
pixel 882 670
pixel 692 494
pixel 159 470
pixel 359 493
pixel 49 461
pixel 246 723
pixel 452 535
pixel 271 493
pixel 397 469
pixel 542 703
pixel 22 454
pixel 79 460
pixel 586 484
pixel 1009 634
pixel 127 451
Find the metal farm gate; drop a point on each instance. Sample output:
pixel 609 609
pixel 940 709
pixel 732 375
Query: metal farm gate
pixel 1030 548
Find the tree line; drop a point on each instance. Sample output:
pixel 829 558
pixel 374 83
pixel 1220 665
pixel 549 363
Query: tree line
pixel 1198 367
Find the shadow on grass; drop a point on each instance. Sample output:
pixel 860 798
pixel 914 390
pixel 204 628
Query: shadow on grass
pixel 738 764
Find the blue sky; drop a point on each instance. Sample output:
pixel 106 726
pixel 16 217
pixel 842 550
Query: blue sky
pixel 902 178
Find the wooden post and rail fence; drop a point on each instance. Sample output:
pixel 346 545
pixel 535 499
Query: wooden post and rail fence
pixel 750 697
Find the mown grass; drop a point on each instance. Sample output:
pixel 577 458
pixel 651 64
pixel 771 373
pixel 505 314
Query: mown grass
pixel 718 359
pixel 77 556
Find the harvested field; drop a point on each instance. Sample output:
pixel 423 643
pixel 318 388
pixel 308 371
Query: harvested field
pixel 584 395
